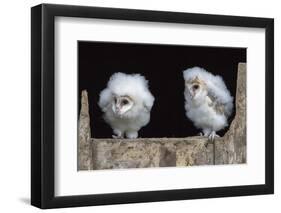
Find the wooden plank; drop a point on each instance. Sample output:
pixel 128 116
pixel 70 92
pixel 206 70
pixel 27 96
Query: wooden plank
pixel 85 158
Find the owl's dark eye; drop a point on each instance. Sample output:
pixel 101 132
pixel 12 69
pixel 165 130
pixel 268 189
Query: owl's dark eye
pixel 124 102
pixel 195 86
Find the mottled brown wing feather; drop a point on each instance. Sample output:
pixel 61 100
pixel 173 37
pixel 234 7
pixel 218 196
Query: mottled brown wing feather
pixel 217 106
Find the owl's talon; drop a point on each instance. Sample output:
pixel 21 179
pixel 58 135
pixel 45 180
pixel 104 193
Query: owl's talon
pixel 117 136
pixel 212 136
pixel 132 135
pixel 200 134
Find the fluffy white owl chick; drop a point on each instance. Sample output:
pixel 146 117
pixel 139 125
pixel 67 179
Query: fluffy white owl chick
pixel 208 103
pixel 126 103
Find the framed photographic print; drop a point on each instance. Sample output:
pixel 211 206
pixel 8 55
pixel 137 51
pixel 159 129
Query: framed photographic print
pixel 139 106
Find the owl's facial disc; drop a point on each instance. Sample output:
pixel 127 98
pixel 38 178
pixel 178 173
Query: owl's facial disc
pixel 122 104
pixel 193 89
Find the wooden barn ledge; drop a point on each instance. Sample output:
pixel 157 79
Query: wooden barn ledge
pixel 110 153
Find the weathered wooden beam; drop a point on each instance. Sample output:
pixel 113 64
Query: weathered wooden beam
pixel 111 153
pixel 232 149
pixel 151 152
pixel 85 158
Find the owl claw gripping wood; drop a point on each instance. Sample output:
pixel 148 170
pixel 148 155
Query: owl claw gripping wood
pixel 208 102
pixel 126 103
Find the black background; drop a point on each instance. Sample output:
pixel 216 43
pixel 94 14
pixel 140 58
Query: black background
pixel 162 65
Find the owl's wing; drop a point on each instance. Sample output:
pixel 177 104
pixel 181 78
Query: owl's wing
pixel 105 99
pixel 220 95
pixel 147 108
pixel 214 102
pixel 148 101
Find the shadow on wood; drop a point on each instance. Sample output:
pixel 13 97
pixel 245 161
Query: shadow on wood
pixel 164 152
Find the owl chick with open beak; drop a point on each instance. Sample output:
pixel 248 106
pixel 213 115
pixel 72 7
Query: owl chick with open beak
pixel 208 102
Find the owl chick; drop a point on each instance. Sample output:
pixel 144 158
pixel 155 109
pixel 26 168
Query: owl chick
pixel 126 103
pixel 208 103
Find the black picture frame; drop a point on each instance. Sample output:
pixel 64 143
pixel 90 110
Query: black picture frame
pixel 43 102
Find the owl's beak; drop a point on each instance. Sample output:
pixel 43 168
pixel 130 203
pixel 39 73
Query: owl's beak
pixel 117 110
pixel 192 94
